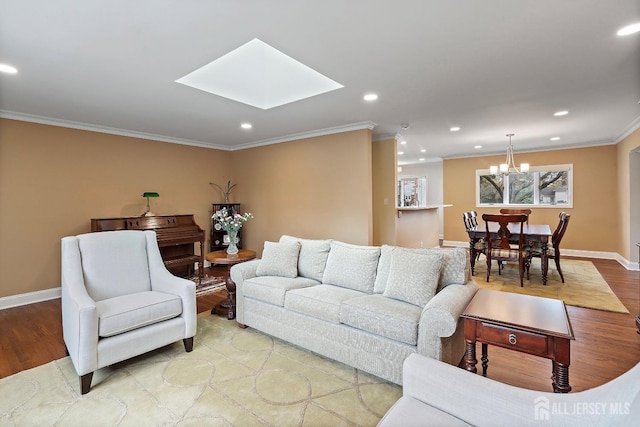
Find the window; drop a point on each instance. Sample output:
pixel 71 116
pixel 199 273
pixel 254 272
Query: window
pixel 541 186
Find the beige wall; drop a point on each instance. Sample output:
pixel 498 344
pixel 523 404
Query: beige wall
pixel 312 188
pixel 53 180
pixel 384 191
pixel 624 187
pixel 595 216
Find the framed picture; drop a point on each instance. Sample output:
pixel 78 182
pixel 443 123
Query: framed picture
pixel 412 192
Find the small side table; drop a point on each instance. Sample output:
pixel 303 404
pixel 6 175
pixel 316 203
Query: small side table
pixel 228 306
pixel 524 323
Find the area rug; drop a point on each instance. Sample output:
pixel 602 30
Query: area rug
pixel 208 283
pixel 233 377
pixel 583 287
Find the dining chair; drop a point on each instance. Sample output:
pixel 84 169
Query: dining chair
pixel 553 252
pixel 470 219
pixel 498 243
pixel 509 211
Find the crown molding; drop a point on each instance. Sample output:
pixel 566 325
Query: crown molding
pixel 162 138
pixel 311 134
pixel 633 126
pixel 105 129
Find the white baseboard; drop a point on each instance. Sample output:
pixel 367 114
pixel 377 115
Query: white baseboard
pixel 29 298
pixel 629 265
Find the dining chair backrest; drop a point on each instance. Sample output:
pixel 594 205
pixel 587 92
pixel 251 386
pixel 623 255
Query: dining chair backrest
pixel 561 229
pixel 470 220
pixel 509 211
pixel 503 238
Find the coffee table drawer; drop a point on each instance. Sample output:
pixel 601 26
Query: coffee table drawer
pixel 513 338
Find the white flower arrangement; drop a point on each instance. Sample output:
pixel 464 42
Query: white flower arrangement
pixel 230 222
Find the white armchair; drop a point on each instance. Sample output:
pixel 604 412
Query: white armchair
pixel 437 394
pixel 120 301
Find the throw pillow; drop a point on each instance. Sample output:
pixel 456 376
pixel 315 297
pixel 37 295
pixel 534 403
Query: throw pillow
pixel 279 259
pixel 413 276
pixel 313 256
pixel 352 266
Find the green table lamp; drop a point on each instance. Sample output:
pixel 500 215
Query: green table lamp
pixel 148 194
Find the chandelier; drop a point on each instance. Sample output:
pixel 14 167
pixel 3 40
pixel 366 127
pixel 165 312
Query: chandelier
pixel 510 166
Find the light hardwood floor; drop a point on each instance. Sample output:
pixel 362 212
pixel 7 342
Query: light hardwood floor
pixel 606 345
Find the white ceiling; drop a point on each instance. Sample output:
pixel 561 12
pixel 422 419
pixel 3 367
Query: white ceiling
pixel 491 67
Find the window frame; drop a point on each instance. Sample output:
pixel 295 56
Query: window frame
pixel 536 181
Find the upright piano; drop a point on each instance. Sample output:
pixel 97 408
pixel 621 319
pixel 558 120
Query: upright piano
pixel 176 236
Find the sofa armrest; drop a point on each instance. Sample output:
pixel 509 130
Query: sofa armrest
pixel 239 273
pixel 442 312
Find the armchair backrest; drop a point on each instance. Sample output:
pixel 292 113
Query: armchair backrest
pixel 114 263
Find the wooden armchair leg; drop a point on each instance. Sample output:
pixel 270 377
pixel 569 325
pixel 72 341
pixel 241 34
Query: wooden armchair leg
pixel 85 382
pixel 188 344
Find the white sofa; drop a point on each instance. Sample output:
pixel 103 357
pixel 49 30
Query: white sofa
pixel 366 306
pixel 436 394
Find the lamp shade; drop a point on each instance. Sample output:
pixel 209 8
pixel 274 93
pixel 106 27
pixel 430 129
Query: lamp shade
pixel 150 194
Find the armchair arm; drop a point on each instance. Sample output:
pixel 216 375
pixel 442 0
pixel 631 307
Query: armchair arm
pixel 482 401
pixel 79 314
pixel 440 316
pixel 163 281
pixel 239 273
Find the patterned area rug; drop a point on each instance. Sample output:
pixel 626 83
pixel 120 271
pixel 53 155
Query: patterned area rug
pixel 208 283
pixel 233 377
pixel 583 287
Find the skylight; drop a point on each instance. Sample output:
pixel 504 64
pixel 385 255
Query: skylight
pixel 259 75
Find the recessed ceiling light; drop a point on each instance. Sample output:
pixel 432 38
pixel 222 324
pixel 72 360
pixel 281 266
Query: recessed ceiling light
pixel 259 75
pixel 423 150
pixel 561 113
pixel 400 153
pixel 370 97
pixel 454 129
pixel 629 29
pixel 246 125
pixel 555 138
pixel 8 69
pixel 421 159
pixel 477 146
pixel 403 142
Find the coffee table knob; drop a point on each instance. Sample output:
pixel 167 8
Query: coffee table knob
pixel 513 339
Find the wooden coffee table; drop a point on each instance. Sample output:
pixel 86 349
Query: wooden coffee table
pixel 524 323
pixel 228 306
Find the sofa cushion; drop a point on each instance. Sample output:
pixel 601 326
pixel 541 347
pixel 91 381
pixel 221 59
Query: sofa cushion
pixel 313 256
pixel 352 266
pixel 321 301
pixel 128 312
pixel 271 289
pixel 387 317
pixel 279 259
pixel 456 268
pixel 413 276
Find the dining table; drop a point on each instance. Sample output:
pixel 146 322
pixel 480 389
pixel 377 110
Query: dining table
pixel 532 233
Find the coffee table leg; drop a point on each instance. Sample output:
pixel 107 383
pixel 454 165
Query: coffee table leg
pixel 470 360
pixel 560 370
pixel 561 378
pixel 485 359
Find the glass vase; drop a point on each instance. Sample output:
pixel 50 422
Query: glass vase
pixel 232 249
